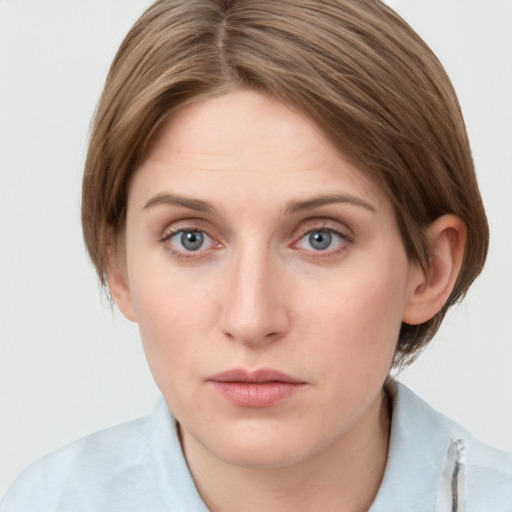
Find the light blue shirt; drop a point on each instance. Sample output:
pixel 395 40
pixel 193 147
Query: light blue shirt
pixel 433 465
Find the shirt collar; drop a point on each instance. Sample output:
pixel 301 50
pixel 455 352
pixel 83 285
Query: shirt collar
pixel 419 442
pixel 177 486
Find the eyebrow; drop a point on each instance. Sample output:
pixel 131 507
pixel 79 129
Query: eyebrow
pixel 185 202
pixel 323 200
pixel 298 206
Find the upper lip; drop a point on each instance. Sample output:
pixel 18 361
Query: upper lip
pixel 260 375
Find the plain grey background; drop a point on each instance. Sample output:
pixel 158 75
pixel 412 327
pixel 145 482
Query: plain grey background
pixel 68 365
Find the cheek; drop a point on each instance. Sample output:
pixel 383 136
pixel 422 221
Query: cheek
pixel 356 320
pixel 175 317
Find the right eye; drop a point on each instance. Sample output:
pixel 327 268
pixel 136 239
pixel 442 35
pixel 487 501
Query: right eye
pixel 186 242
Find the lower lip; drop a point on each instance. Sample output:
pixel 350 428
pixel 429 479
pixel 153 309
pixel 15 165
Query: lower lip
pixel 256 394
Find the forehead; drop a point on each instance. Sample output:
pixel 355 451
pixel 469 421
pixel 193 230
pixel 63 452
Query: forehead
pixel 246 143
pixel 241 119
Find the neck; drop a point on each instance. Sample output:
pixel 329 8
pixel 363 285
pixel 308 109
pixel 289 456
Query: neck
pixel 344 477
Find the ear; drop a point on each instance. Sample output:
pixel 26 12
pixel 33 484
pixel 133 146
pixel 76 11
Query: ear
pixel 117 279
pixel 429 292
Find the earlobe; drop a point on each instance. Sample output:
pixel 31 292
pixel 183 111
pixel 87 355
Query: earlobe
pixel 429 292
pixel 118 283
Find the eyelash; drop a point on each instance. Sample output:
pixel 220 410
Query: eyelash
pixel 344 242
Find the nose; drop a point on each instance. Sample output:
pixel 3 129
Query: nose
pixel 254 310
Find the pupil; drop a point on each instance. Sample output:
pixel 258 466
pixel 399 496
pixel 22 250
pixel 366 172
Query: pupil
pixel 192 240
pixel 320 240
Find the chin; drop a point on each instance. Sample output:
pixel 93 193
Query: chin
pixel 264 446
pixel 262 456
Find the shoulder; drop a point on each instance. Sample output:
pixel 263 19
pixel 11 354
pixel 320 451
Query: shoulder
pixel 489 474
pixel 128 468
pixel 79 472
pixel 433 457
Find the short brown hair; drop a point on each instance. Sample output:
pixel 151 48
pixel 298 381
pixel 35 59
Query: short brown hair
pixel 353 66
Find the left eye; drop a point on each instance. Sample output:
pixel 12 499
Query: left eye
pixel 321 240
pixel 190 240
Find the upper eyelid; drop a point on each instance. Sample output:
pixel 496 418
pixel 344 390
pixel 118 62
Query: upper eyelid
pixel 188 224
pixel 320 224
pixel 345 238
pixel 173 229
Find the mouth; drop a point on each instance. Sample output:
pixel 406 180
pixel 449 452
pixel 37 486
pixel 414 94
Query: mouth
pixel 256 389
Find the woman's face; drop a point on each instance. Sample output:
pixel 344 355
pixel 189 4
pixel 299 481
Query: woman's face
pixel 268 278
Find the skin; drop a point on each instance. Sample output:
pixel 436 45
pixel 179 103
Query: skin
pixel 246 172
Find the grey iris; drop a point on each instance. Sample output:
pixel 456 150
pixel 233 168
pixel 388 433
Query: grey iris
pixel 192 240
pixel 320 240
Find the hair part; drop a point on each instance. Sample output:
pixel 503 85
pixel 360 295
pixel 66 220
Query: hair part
pixel 354 67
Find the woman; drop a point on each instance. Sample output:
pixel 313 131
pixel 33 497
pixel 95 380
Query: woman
pixel 282 196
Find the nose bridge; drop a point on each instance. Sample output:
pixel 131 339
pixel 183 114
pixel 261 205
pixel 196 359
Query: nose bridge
pixel 254 309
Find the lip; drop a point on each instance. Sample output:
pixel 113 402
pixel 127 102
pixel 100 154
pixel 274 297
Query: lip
pixel 257 389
